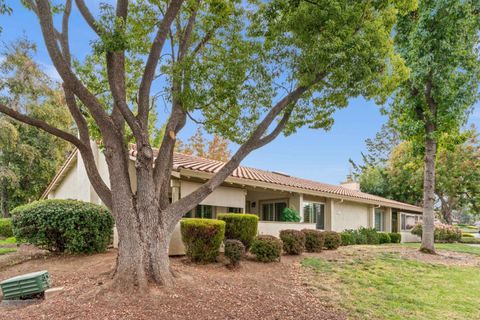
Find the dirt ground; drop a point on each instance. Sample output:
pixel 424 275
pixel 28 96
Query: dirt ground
pixel 254 291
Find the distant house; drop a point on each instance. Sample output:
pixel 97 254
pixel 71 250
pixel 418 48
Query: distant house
pixel 249 190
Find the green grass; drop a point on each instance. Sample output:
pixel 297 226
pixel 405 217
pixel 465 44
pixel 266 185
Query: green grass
pixel 457 247
pixel 7 250
pixel 390 287
pixel 10 240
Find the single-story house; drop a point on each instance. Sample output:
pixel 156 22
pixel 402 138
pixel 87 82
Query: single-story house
pixel 249 190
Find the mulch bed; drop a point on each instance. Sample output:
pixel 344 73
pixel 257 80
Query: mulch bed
pixel 253 291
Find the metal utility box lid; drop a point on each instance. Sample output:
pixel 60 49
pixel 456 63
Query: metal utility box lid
pixel 24 285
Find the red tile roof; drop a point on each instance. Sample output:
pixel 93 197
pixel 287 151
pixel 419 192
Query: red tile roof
pixel 188 162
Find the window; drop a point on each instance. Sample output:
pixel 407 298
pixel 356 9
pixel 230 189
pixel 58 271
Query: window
pixel 234 210
pixel 273 211
pixel 408 221
pixel 379 220
pixel 201 211
pixel 314 212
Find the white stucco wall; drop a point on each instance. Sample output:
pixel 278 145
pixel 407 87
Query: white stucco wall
pixel 273 228
pixel 407 236
pixel 67 188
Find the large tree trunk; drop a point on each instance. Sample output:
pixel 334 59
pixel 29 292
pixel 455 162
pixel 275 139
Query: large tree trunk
pixel 429 193
pixel 142 254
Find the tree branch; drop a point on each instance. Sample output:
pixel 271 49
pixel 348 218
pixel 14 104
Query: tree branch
pixel 87 15
pixel 177 209
pixel 152 61
pixel 41 125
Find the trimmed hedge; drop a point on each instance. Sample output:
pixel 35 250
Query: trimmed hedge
pixel 348 239
pixel 384 238
pixel 395 237
pixel 332 240
pixel 293 241
pixel 69 226
pixel 202 238
pixel 314 240
pixel 266 248
pixel 240 226
pixel 234 250
pixel 6 229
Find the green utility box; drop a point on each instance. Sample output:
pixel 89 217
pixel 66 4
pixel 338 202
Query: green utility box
pixel 25 285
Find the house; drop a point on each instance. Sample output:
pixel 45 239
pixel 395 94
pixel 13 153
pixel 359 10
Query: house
pixel 248 190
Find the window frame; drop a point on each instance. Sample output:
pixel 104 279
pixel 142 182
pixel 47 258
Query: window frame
pixel 315 217
pixel 268 202
pixel 382 219
pixel 403 220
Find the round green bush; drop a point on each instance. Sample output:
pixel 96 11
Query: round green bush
pixel 370 234
pixel 240 226
pixel 348 239
pixel 6 229
pixel 69 226
pixel 293 241
pixel 314 240
pixel 395 237
pixel 202 238
pixel 266 248
pixel 332 240
pixel 234 250
pixel 384 238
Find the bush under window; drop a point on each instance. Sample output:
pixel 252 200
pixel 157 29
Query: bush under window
pixel 69 226
pixel 314 240
pixel 384 238
pixel 290 215
pixel 348 238
pixel 370 234
pixel 240 226
pixel 267 248
pixel 293 241
pixel 395 237
pixel 202 238
pixel 332 240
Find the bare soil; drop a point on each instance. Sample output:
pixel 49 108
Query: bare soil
pixel 253 291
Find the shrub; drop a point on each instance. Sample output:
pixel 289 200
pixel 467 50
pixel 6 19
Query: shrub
pixel 314 240
pixel 395 237
pixel 202 238
pixel 240 226
pixel 384 238
pixel 332 240
pixel 370 234
pixel 234 250
pixel 348 238
pixel 443 232
pixel 293 241
pixel 69 226
pixel 6 229
pixel 266 248
pixel 290 215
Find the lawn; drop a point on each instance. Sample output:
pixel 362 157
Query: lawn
pixel 457 247
pixel 10 240
pixel 7 250
pixel 386 286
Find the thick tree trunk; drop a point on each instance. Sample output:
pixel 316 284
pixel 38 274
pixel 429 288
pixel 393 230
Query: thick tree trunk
pixel 429 194
pixel 142 254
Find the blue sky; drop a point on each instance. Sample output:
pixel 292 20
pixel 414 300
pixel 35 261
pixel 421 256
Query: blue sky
pixel 312 154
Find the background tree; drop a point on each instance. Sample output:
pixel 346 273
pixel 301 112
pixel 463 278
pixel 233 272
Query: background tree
pixel 457 175
pixel 29 157
pixel 439 44
pixel 247 72
pixel 216 148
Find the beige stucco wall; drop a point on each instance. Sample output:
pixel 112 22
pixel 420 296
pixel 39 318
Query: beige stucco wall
pixel 222 196
pixel 273 228
pixel 349 215
pixel 408 237
pixel 258 196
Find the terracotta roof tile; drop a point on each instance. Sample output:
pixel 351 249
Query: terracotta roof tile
pixel 189 162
